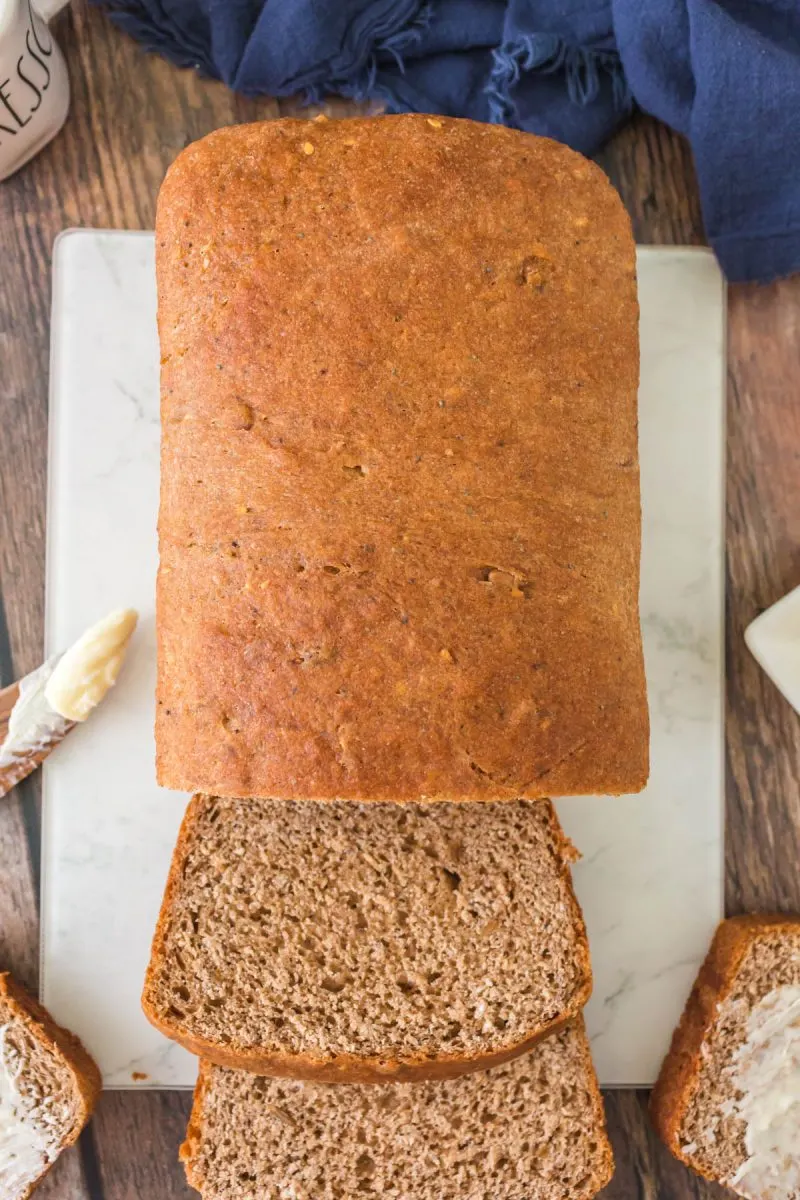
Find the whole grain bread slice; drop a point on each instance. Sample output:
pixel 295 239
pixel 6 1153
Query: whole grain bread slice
pixel 531 1129
pixel 48 1088
pixel 357 942
pixel 735 1051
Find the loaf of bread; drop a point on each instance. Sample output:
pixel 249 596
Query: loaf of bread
pixel 48 1088
pixel 532 1129
pixel 727 1102
pixel 361 942
pixel 400 522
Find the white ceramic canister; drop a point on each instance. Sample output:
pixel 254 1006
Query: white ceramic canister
pixel 34 85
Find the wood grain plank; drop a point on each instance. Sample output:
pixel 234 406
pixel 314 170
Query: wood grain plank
pixel 19 950
pixel 763 836
pixel 645 1168
pixel 65 1180
pixel 652 169
pixel 138 1135
pixel 18 896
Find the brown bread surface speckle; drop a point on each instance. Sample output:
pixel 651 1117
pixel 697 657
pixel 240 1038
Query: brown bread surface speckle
pixel 533 1129
pixel 400 523
pixel 362 942
pixel 691 1102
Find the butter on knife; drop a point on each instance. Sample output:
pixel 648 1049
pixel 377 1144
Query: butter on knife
pixel 44 706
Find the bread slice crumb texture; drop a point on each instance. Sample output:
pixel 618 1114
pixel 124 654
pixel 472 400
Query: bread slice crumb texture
pixel 532 1129
pixel 48 1086
pixel 728 1098
pixel 341 940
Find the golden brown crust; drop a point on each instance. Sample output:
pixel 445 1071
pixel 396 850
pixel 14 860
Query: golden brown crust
pixel 605 1174
pixel 84 1070
pixel 158 945
pixel 350 1068
pixel 400 524
pixel 680 1072
pixel 189 1151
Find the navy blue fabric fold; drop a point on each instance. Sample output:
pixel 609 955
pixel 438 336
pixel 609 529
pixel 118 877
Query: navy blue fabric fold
pixel 725 73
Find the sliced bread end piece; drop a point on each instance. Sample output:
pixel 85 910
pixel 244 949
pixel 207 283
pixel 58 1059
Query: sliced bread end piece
pixel 727 1101
pixel 349 942
pixel 48 1088
pixel 531 1129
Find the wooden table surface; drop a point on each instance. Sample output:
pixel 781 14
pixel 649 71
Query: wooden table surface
pixel 131 114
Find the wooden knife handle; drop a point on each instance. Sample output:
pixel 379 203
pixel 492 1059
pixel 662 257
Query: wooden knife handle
pixel 8 698
pixel 20 767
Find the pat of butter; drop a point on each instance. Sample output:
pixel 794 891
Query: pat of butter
pixel 87 670
pixel 774 641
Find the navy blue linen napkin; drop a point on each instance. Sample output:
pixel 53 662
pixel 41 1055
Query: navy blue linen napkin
pixel 725 73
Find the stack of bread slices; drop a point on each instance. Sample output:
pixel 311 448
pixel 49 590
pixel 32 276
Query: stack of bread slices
pixel 397 611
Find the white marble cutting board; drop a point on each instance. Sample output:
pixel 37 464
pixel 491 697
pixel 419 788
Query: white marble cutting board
pixel 651 877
